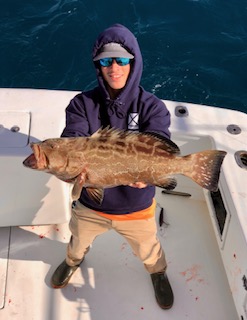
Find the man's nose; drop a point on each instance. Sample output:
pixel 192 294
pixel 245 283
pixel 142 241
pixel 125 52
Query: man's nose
pixel 114 64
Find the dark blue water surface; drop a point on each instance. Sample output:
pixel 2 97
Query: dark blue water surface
pixel 193 51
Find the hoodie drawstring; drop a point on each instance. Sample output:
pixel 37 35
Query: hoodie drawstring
pixel 115 107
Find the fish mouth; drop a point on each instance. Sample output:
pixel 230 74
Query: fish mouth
pixel 37 160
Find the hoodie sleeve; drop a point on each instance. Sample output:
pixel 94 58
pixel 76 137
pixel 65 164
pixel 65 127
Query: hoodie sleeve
pixel 76 119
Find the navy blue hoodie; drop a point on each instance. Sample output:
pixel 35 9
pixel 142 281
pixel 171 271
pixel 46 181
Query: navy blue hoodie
pixel 133 109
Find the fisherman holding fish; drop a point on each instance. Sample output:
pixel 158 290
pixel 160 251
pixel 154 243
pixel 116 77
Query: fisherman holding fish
pixel 115 149
pixel 121 103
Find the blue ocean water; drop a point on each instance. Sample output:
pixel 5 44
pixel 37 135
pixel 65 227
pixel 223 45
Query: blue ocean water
pixel 193 50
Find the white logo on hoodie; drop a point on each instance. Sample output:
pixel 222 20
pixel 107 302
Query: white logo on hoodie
pixel 133 121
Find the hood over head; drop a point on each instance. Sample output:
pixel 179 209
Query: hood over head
pixel 119 34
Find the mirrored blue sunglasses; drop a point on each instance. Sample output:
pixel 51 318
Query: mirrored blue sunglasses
pixel 107 62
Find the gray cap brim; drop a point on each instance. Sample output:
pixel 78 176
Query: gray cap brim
pixel 113 50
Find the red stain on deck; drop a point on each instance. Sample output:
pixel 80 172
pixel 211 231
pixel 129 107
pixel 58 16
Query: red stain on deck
pixel 43 235
pixel 123 246
pixel 193 274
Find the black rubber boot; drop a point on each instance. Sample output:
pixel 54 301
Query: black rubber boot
pixel 163 290
pixel 62 275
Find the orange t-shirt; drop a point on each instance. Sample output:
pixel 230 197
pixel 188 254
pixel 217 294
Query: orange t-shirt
pixel 137 215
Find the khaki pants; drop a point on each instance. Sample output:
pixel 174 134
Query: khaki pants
pixel 85 225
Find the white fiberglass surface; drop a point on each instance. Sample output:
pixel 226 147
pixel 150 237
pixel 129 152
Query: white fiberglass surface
pixel 112 283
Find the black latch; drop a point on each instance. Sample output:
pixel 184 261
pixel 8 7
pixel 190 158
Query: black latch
pixel 245 282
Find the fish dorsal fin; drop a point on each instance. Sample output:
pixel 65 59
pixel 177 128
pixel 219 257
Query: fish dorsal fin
pixel 108 132
pixel 163 142
pixel 130 136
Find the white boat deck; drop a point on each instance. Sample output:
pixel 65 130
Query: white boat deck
pixel 206 266
pixel 112 283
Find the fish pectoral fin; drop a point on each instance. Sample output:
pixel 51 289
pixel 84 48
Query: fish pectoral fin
pixel 77 188
pixel 96 194
pixel 167 183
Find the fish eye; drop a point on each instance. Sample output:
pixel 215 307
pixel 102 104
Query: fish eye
pixel 53 145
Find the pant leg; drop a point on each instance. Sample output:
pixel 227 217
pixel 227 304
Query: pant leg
pixel 142 237
pixel 85 225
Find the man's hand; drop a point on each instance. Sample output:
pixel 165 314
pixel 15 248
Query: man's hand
pixel 139 185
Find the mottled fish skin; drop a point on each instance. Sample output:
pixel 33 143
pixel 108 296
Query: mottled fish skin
pixel 112 157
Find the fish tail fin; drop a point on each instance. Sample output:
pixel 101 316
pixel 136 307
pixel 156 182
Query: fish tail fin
pixel 206 167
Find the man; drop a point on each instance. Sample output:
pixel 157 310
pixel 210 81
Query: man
pixel 118 101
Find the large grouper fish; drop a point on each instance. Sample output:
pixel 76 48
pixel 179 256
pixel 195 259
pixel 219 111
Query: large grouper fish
pixel 111 158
